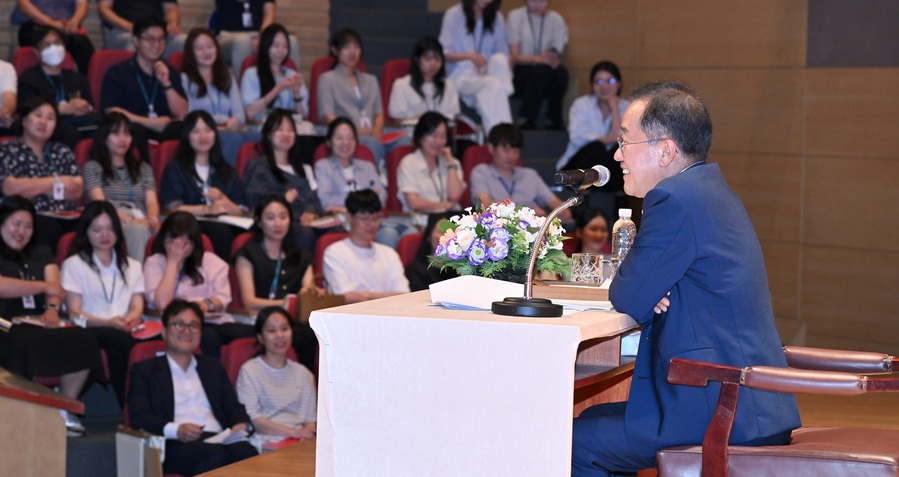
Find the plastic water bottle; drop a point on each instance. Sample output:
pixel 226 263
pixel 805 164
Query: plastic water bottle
pixel 623 233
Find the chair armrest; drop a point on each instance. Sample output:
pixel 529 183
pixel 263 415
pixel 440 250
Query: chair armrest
pixel 858 362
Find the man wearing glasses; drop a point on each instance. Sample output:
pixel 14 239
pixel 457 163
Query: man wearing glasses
pixel 145 88
pixel 695 280
pixel 187 398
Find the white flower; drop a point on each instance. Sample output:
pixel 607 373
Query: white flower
pixel 465 237
pixel 468 221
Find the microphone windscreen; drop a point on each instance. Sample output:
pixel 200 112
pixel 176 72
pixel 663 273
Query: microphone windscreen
pixel 604 175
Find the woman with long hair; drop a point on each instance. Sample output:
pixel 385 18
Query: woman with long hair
pixel 116 174
pixel 430 179
pixel 29 286
pixel 270 84
pixel 426 87
pixel 279 394
pixel 280 170
pixel 210 86
pixel 473 35
pixel 341 173
pixel 105 287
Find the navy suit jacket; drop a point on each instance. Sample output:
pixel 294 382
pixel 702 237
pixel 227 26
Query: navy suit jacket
pixel 151 394
pixel 696 240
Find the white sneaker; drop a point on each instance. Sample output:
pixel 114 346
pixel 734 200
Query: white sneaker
pixel 74 428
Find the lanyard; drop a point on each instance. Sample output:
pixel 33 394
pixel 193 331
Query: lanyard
pixel 539 40
pixel 150 99
pixel 216 103
pixel 274 287
pixel 108 297
pixel 509 188
pixel 479 38
pixel 439 184
pixel 60 90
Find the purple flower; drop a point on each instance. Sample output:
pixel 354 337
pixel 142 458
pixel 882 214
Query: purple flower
pixel 500 233
pixel 477 253
pixel 454 250
pixel 487 219
pixel 524 224
pixel 497 249
pixel 440 251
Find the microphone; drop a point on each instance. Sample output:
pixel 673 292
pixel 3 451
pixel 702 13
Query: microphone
pixel 583 178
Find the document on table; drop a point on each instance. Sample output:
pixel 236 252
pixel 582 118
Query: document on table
pixel 227 437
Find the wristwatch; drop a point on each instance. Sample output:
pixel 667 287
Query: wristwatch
pixel 210 305
pixel 53 306
pixel 250 429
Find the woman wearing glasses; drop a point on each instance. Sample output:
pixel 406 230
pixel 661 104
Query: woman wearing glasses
pixel 594 122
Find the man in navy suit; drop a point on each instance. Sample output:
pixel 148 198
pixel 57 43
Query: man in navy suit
pixel 695 280
pixel 187 398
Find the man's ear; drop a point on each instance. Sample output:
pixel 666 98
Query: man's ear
pixel 667 152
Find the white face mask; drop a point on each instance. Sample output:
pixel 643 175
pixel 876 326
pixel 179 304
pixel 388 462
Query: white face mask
pixel 53 55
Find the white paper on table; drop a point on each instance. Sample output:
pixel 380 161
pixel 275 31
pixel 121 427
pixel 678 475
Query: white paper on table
pixel 227 437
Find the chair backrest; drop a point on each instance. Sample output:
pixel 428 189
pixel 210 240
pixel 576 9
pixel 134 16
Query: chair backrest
pixel 83 151
pixel 63 247
pixel 141 351
pixel 251 61
pixel 473 156
pixel 161 157
pixel 320 67
pixel 239 351
pixel 176 59
pixel 390 72
pixel 207 244
pixel 393 163
pixel 323 242
pixel 6 139
pixel 247 152
pixel 27 56
pixel 239 241
pixel 572 245
pixel 407 247
pixel 362 152
pixel 101 60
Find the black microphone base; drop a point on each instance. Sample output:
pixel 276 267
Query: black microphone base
pixel 529 307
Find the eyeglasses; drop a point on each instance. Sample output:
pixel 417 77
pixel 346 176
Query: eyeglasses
pixel 182 327
pixel 601 82
pixel 622 142
pixel 152 39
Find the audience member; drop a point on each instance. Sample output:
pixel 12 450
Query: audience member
pixel 239 25
pixel 594 122
pixel 66 16
pixel 358 267
pixel 105 287
pixel 271 266
pixel 419 273
pixel 426 87
pixel 29 280
pixel 122 17
pixel 200 181
pixel 145 88
pixel 270 84
pixel 695 281
pixel 67 89
pixel 187 398
pixel 41 170
pixel 592 230
pixel 340 173
pixel 116 174
pixel 505 178
pixel 347 91
pixel 537 38
pixel 430 179
pixel 281 171
pixel 8 88
pixel 279 394
pixel 473 35
pixel 211 87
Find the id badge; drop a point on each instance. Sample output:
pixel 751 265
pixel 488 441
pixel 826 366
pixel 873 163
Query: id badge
pixel 59 191
pixel 151 113
pixel 247 18
pixel 28 302
pixel 137 213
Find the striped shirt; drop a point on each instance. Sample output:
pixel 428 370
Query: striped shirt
pixel 120 191
pixel 285 395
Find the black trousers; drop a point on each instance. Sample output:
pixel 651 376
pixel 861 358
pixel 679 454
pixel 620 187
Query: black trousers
pixel 534 83
pixel 192 458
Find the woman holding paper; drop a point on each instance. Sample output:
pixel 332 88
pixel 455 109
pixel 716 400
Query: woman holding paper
pixel 29 286
pixel 105 287
pixel 279 394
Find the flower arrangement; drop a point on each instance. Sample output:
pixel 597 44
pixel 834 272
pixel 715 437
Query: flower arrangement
pixel 497 240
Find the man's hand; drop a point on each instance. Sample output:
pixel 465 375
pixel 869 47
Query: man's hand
pixel 663 304
pixel 189 432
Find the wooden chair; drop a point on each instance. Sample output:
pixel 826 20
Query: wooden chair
pixel 813 451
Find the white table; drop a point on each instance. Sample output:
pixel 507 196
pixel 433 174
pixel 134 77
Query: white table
pixel 409 389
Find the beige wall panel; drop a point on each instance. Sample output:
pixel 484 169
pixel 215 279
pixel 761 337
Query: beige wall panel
pixel 758 110
pixel 722 33
pixel 878 344
pixel 850 294
pixel 862 191
pixel 852 112
pixel 769 187
pixel 782 263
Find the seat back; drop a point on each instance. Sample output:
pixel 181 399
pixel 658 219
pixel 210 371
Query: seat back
pixel 392 71
pixel 247 152
pixel 27 56
pixel 323 242
pixel 176 59
pixel 63 247
pixel 141 351
pixel 393 163
pixel 239 241
pixel 407 247
pixel 362 152
pixel 473 156
pixel 83 151
pixel 100 62
pixel 161 157
pixel 239 351
pixel 319 67
pixel 251 61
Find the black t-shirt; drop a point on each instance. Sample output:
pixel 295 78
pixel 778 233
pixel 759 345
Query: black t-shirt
pixel 34 83
pixel 121 88
pixel 134 10
pixel 29 266
pixel 229 14
pixel 290 278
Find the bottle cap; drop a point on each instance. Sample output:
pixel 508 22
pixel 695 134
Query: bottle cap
pixel 624 213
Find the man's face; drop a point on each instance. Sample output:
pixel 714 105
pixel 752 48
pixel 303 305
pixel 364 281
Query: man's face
pixel 364 226
pixel 150 45
pixel 640 161
pixel 182 334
